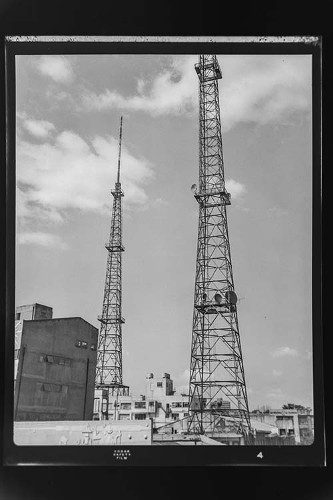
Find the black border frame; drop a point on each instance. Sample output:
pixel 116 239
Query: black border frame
pixel 311 455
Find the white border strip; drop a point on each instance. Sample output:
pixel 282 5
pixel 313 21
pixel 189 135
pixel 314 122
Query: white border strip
pixel 192 39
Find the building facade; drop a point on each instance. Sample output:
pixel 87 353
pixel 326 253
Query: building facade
pixel 160 403
pixel 55 369
pixel 292 422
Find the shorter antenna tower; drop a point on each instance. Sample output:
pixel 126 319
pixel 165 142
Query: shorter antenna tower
pixel 109 371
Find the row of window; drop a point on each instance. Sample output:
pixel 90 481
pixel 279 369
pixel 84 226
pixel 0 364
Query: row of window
pixel 137 405
pixel 179 404
pixel 57 360
pixel 143 416
pixel 283 432
pixel 143 405
pixel 53 388
pixel 84 345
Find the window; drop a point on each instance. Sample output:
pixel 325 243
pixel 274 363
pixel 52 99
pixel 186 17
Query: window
pixel 176 404
pixel 185 405
pixel 185 414
pixel 140 416
pixel 125 406
pixel 175 416
pixel 81 343
pixel 124 416
pixel 51 387
pixel 63 361
pixel 291 432
pixel 151 403
pixel 282 432
pixel 58 360
pixel 159 384
pixel 17 316
pixel 140 404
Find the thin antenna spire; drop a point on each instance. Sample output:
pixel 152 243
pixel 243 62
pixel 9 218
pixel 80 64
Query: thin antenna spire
pixel 119 153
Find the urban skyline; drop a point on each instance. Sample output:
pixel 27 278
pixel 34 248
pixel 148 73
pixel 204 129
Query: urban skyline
pixel 66 164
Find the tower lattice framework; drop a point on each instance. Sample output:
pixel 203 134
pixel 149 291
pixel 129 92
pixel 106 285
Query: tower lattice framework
pixel 109 373
pixel 217 391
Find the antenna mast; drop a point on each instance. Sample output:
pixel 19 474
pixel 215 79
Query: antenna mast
pixel 217 392
pixel 109 372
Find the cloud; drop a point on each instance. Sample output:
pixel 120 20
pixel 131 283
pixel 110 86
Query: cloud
pixel 173 90
pixel 236 189
pixel 68 173
pixel 264 89
pixel 42 239
pixel 58 68
pixel 38 128
pixel 27 209
pixel 254 89
pixel 284 351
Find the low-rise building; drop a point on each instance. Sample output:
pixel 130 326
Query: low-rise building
pixel 55 367
pixel 288 422
pixel 160 403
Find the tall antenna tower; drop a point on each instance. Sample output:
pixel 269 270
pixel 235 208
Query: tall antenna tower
pixel 109 369
pixel 217 393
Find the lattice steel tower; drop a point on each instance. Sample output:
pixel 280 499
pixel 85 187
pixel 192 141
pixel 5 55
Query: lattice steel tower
pixel 217 392
pixel 109 373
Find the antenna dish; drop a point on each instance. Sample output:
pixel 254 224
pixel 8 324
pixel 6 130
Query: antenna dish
pixel 231 297
pixel 218 298
pixel 193 187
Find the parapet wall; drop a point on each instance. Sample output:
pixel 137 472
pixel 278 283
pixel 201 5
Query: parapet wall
pixel 92 433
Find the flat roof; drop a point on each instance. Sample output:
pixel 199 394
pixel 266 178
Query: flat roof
pixel 34 304
pixel 59 319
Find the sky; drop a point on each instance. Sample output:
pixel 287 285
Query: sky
pixel 68 116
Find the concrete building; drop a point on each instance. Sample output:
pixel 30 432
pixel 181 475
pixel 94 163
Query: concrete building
pixel 292 422
pixel 55 365
pixel 160 403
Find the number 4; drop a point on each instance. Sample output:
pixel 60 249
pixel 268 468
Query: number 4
pixel 260 455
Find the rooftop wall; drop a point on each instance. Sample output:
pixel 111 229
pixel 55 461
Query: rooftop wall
pixel 83 433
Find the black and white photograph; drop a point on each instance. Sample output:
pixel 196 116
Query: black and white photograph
pixel 164 248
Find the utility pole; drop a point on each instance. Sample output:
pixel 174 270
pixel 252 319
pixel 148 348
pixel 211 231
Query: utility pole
pixel 217 391
pixel 109 372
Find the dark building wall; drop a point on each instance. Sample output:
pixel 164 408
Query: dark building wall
pixel 56 370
